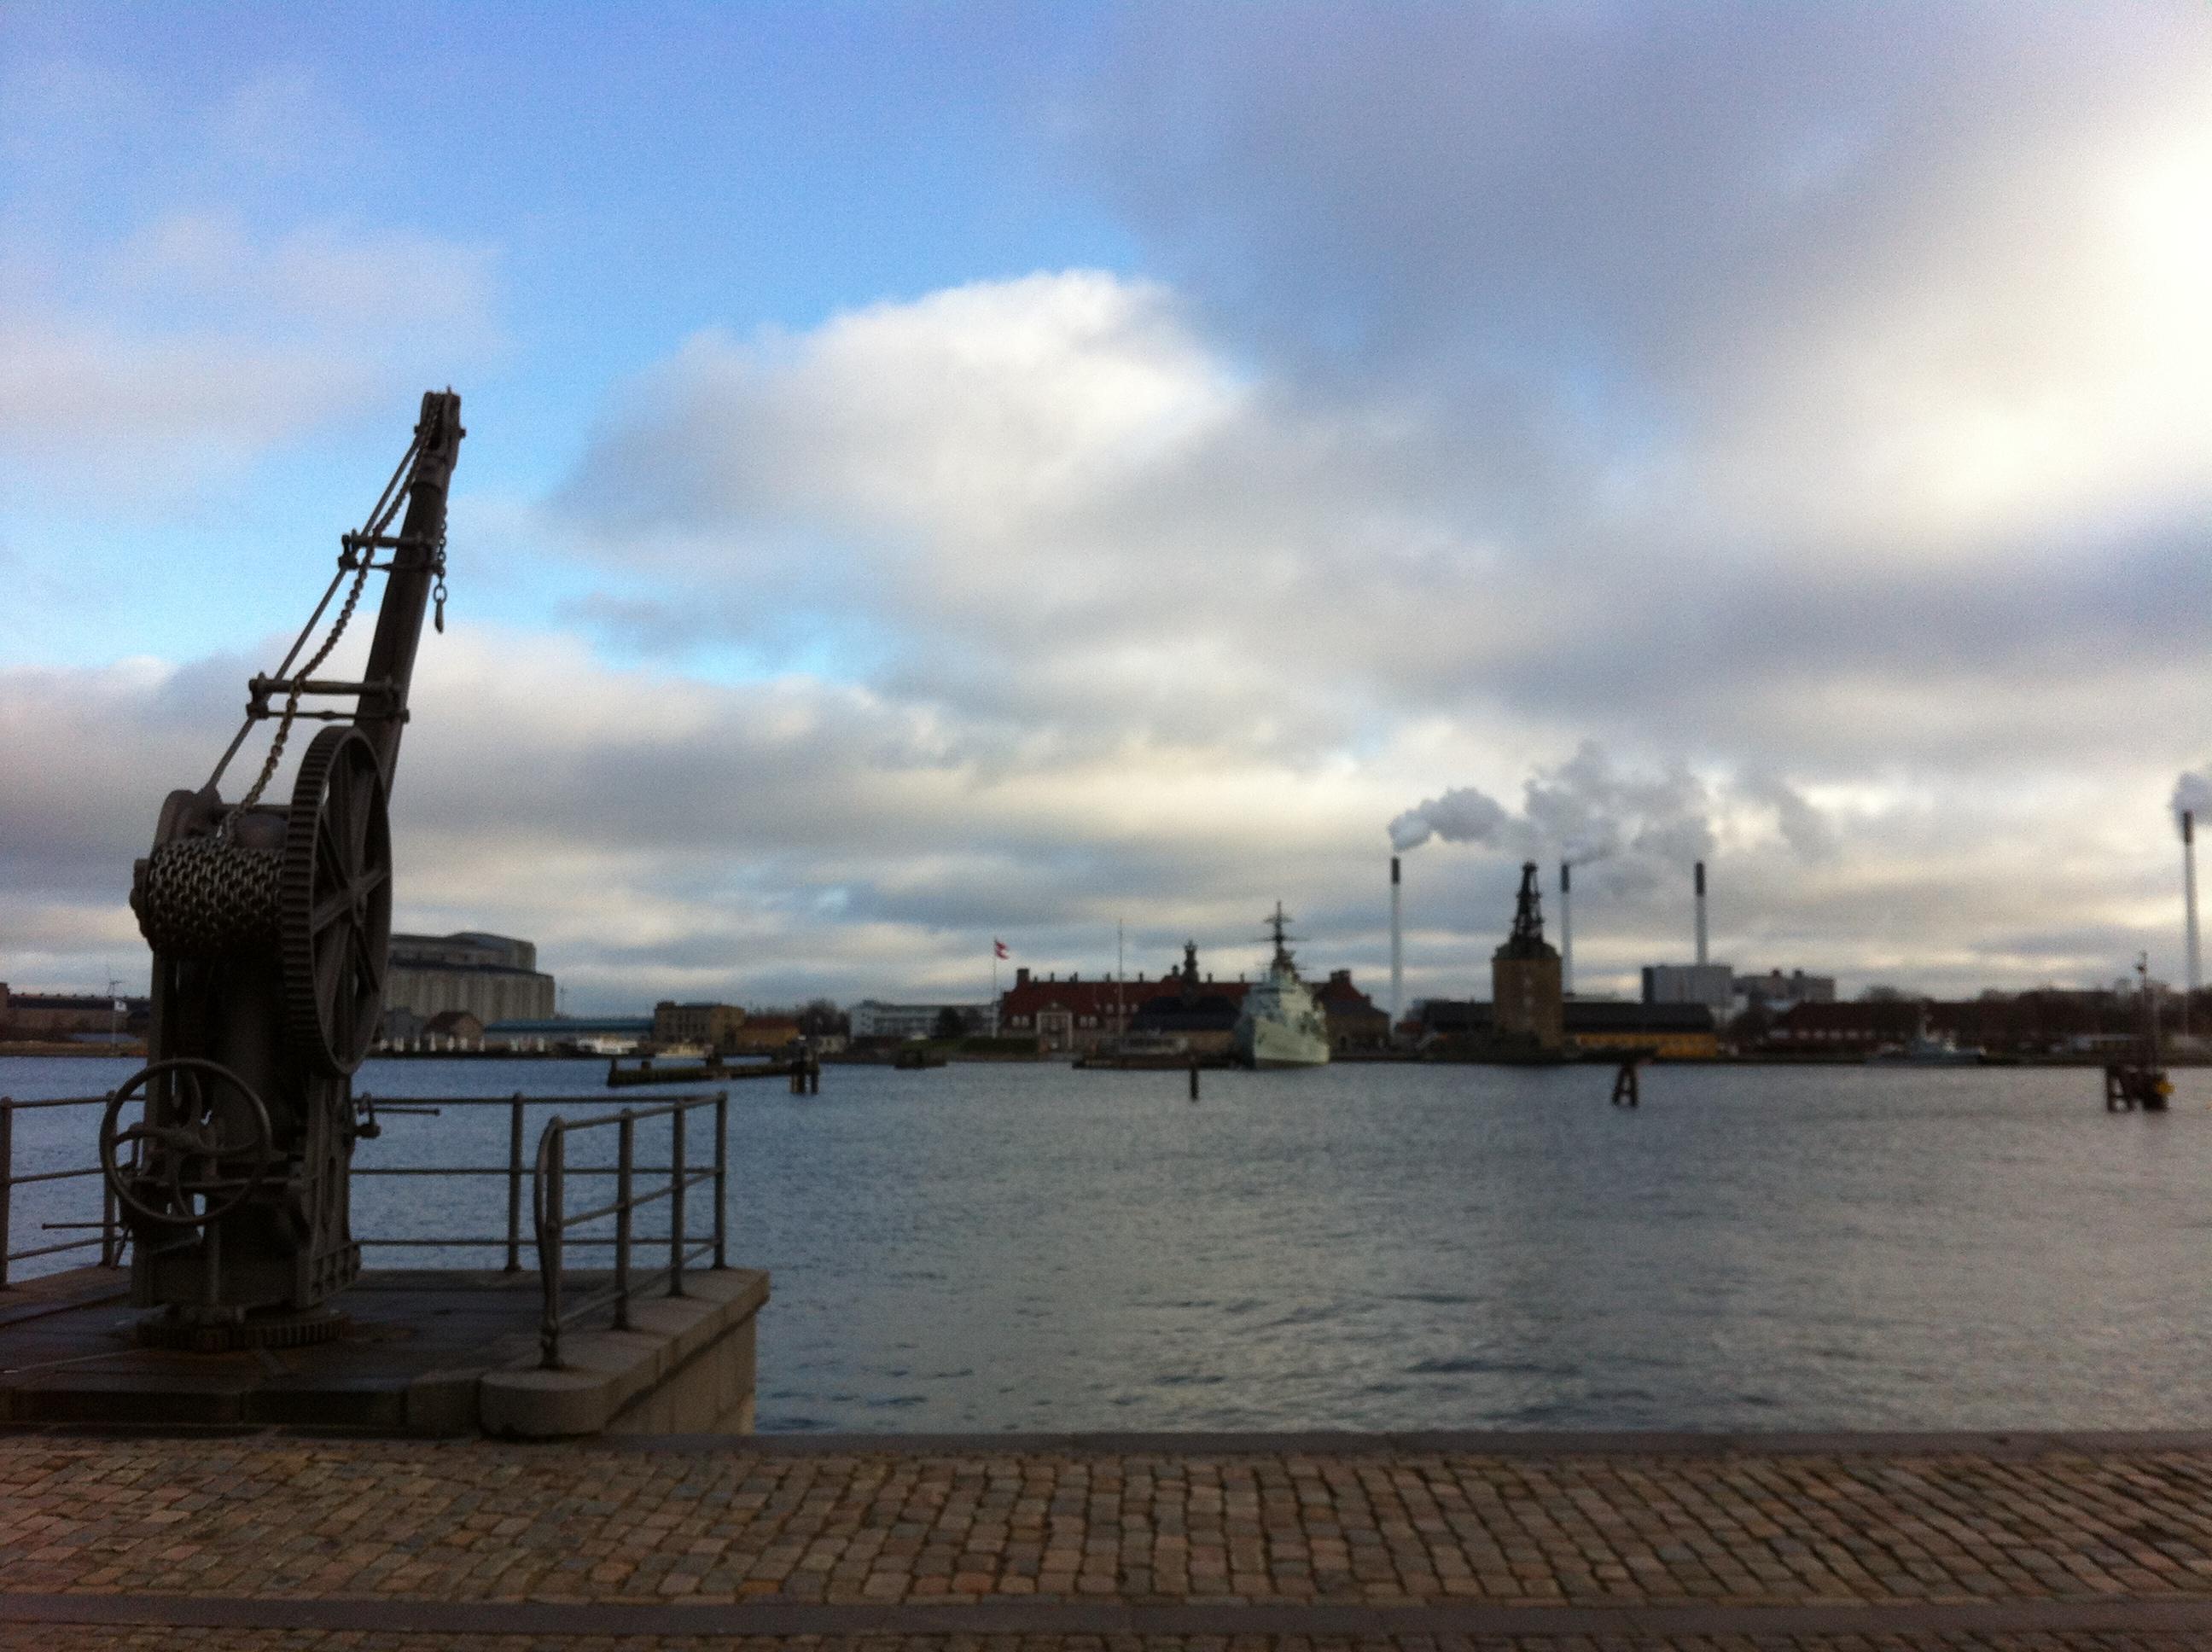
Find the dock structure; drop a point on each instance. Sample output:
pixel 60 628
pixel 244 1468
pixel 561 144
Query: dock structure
pixel 1181 1543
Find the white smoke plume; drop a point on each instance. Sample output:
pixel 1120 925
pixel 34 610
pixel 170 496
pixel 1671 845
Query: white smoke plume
pixel 1464 815
pixel 1650 823
pixel 2193 793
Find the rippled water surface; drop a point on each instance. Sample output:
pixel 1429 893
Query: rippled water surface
pixel 988 1247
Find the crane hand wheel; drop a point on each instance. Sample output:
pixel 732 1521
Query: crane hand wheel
pixel 191 1159
pixel 334 903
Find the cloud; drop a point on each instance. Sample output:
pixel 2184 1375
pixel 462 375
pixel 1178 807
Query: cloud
pixel 1829 272
pixel 136 370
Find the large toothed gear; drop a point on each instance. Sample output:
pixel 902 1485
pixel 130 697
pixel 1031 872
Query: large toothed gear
pixel 334 916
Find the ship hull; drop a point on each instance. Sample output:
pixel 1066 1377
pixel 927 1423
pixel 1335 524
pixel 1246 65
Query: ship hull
pixel 1269 1044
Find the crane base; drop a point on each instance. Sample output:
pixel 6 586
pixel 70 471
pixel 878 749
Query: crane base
pixel 188 1333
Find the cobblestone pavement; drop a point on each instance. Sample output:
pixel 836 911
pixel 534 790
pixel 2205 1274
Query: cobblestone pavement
pixel 74 1639
pixel 274 1518
pixel 270 1515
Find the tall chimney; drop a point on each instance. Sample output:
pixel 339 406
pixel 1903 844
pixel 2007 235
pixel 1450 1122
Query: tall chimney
pixel 1566 933
pixel 1397 955
pixel 1701 911
pixel 2189 897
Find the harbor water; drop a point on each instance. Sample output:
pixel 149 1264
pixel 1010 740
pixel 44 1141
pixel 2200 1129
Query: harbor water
pixel 989 1247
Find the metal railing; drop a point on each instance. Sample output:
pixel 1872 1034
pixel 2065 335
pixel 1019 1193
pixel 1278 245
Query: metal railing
pixel 515 1172
pixel 112 1234
pixel 553 1220
pixel 554 1226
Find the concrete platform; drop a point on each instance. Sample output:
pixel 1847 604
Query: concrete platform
pixel 1435 1543
pixel 436 1352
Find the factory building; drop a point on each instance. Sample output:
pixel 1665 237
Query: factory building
pixel 492 977
pixel 1775 992
pixel 1712 984
pixel 1525 985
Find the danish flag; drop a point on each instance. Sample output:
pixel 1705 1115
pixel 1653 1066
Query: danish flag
pixel 1000 949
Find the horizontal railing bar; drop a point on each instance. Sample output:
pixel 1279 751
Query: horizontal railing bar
pixel 690 1177
pixel 12 1104
pixel 433 1170
pixel 639 1114
pixel 51 1176
pixel 80 1244
pixel 432 1244
pixel 669 1103
pixel 639 1240
pixel 639 1284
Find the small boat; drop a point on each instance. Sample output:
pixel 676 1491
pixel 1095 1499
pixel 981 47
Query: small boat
pixel 1926 1048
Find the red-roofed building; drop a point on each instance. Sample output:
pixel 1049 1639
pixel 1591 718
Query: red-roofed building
pixel 1070 1016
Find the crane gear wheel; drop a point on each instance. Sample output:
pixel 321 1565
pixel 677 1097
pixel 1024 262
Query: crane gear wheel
pixel 334 903
pixel 158 1186
pixel 204 897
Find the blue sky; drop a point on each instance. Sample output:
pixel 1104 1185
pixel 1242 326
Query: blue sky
pixel 938 472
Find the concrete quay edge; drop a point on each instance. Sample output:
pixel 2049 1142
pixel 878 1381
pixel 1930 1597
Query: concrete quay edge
pixel 1482 1442
pixel 563 1618
pixel 603 1371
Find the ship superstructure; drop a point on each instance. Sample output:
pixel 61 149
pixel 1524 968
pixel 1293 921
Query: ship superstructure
pixel 1281 1025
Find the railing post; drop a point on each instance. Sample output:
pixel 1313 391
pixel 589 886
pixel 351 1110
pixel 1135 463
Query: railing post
pixel 111 1246
pixel 627 1133
pixel 514 1184
pixel 721 1178
pixel 7 1183
pixel 675 1188
pixel 549 1246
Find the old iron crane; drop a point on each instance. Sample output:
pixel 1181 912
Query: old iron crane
pixel 268 924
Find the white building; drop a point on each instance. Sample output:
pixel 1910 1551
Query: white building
pixel 873 1018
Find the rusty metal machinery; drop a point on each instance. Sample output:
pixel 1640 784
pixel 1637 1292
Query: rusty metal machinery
pixel 270 924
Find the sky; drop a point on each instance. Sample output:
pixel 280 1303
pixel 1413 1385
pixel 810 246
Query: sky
pixel 1077 475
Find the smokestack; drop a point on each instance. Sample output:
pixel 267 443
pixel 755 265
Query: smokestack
pixel 2189 897
pixel 1397 955
pixel 1701 911
pixel 1566 933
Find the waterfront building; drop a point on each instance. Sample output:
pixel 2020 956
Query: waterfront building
pixel 69 1015
pixel 453 1030
pixel 708 1026
pixel 493 977
pixel 1072 1015
pixel 1775 992
pixel 1594 1026
pixel 1192 1014
pixel 1675 1032
pixel 1712 984
pixel 1355 1021
pixel 873 1018
pixel 1526 990
pixel 584 1035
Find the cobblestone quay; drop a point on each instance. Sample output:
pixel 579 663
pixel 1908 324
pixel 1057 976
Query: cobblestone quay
pixel 1155 1544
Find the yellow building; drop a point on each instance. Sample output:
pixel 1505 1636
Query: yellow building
pixel 1671 1032
pixel 716 1027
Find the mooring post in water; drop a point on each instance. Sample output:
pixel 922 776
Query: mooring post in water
pixel 1194 1077
pixel 1626 1090
pixel 814 1075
